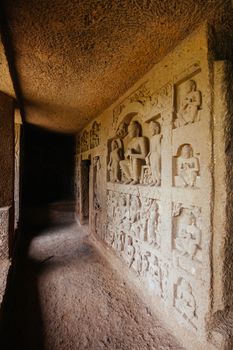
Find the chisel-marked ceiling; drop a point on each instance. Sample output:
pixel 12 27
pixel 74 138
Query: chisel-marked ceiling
pixel 73 58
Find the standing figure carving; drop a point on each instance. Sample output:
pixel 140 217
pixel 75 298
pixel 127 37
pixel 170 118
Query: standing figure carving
pixel 152 227
pixel 94 135
pixel 130 251
pixel 135 154
pixel 114 161
pixel 187 166
pixel 190 105
pixel 185 301
pixel 153 158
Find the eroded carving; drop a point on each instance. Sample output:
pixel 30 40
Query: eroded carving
pixel 142 96
pixel 84 144
pixel 190 104
pixel 184 300
pixel 130 251
pixel 187 225
pixel 153 225
pixel 95 135
pixel 162 98
pixel 138 217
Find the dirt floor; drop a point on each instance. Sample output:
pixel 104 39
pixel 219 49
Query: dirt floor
pixel 64 295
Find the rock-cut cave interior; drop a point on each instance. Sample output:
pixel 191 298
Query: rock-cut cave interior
pixel 116 181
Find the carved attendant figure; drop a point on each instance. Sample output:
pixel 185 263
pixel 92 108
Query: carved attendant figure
pixel 189 105
pixel 185 301
pixel 130 252
pixel 187 166
pixel 154 156
pixel 152 224
pixel 135 154
pixel 113 165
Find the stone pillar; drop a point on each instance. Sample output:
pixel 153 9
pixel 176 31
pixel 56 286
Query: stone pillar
pixel 223 207
pixel 6 185
pixel 18 123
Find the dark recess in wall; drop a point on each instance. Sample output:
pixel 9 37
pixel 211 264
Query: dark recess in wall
pixel 48 166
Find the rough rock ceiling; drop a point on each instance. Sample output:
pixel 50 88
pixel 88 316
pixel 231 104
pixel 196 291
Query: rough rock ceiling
pixel 73 58
pixel 6 85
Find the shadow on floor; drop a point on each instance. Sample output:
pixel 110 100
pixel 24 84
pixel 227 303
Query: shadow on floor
pixel 21 324
pixel 21 319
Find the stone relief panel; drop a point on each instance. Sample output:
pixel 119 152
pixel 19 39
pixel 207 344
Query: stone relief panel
pixel 184 301
pixel 134 158
pixel 95 135
pixel 187 237
pixel 137 217
pixel 188 102
pixel 84 141
pixel 134 232
pixel 4 228
pixel 186 167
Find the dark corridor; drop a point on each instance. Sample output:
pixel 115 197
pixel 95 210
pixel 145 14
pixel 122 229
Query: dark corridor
pixel 48 166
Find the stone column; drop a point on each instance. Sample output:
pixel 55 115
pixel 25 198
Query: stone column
pixel 6 185
pixel 18 123
pixel 222 306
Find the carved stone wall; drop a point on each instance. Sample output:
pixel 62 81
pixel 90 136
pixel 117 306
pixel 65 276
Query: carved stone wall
pixel 157 142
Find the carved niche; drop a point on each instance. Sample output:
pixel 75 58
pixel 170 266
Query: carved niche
pixel 84 144
pixel 186 167
pixel 184 301
pixel 137 156
pixel 95 135
pixel 131 158
pixel 188 103
pixel 187 237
